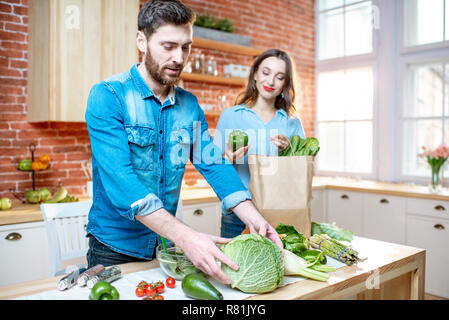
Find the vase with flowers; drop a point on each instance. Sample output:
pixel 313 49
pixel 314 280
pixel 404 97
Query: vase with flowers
pixel 436 159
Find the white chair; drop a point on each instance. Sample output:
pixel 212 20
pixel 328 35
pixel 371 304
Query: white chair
pixel 66 232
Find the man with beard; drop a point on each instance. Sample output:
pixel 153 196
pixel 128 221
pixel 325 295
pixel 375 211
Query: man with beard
pixel 143 129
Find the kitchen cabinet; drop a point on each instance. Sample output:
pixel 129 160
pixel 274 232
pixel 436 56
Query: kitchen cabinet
pixel 428 228
pixel 384 218
pixel 432 234
pixel 72 46
pixel 345 208
pixel 23 252
pixel 203 217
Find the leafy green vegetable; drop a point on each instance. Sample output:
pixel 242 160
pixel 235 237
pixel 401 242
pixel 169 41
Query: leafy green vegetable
pixel 313 256
pixel 301 147
pixel 332 230
pixel 260 262
pixel 292 240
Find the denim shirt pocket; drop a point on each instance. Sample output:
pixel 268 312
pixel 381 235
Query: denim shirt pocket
pixel 181 143
pixel 141 144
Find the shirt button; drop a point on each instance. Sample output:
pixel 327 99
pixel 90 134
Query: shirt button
pixel 160 132
pixel 162 180
pixel 161 157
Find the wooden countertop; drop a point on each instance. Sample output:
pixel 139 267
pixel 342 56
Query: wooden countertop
pixel 22 213
pixel 392 271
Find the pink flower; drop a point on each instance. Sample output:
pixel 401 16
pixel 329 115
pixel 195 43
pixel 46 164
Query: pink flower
pixel 441 151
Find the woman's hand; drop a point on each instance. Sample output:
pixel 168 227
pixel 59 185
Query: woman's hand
pixel 281 141
pixel 238 154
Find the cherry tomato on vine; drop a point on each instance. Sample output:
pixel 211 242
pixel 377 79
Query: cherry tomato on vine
pixel 160 287
pixel 140 291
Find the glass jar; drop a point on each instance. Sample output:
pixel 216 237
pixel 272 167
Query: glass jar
pixel 198 63
pixel 211 67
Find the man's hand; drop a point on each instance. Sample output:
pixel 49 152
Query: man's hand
pixel 248 213
pixel 200 248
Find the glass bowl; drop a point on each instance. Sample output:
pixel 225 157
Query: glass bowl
pixel 174 263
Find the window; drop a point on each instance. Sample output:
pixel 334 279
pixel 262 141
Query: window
pixel 345 87
pixel 345 28
pixel 378 105
pixel 425 80
pixel 425 116
pixel 344 117
pixel 425 22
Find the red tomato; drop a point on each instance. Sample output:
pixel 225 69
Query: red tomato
pixel 142 283
pixel 160 287
pixel 170 282
pixel 158 297
pixel 149 290
pixel 140 291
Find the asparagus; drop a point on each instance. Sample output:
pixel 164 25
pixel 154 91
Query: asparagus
pixel 335 249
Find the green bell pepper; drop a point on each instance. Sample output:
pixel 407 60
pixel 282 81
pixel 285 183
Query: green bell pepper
pixel 238 139
pixel 103 290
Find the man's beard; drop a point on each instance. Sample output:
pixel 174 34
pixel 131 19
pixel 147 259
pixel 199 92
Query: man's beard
pixel 157 73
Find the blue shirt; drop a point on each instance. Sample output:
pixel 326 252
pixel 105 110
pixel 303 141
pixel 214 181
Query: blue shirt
pixel 243 118
pixel 140 147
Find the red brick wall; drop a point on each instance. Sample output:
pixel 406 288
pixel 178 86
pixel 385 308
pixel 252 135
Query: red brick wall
pixel 285 24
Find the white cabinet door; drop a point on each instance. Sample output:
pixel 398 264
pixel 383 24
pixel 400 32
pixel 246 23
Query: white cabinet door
pixel 432 235
pixel 318 206
pixel 345 208
pixel 23 253
pixel 203 217
pixel 384 218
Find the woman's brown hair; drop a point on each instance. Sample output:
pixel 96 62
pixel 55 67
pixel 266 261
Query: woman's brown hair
pixel 283 101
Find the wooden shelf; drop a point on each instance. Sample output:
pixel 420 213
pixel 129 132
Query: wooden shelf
pixel 213 113
pixel 214 79
pixel 224 46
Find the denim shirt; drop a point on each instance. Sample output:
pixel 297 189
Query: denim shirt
pixel 243 118
pixel 140 147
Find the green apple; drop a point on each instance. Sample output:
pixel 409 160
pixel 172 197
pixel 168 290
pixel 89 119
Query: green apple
pixel 33 196
pixel 44 194
pixel 5 203
pixel 25 165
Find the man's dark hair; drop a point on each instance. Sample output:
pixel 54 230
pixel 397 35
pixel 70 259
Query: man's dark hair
pixel 156 13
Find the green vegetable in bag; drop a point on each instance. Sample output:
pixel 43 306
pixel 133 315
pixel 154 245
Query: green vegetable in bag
pixel 301 147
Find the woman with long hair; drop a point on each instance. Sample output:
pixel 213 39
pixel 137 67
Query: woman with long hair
pixel 265 112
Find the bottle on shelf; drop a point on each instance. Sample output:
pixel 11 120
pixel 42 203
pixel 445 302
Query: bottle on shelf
pixel 211 67
pixel 198 63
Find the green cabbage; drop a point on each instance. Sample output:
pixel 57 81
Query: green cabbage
pixel 261 267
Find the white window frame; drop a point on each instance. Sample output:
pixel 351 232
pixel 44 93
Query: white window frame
pixel 349 62
pixel 389 60
pixel 427 53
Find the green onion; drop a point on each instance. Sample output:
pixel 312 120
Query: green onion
pixel 164 244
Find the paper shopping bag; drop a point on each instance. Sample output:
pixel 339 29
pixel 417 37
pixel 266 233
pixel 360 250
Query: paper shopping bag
pixel 282 189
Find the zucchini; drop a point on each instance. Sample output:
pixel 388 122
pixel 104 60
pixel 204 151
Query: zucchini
pixel 196 286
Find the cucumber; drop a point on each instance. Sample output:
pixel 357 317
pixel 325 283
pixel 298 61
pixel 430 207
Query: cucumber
pixel 196 286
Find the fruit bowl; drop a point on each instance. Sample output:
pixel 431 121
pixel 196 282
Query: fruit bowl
pixel 174 263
